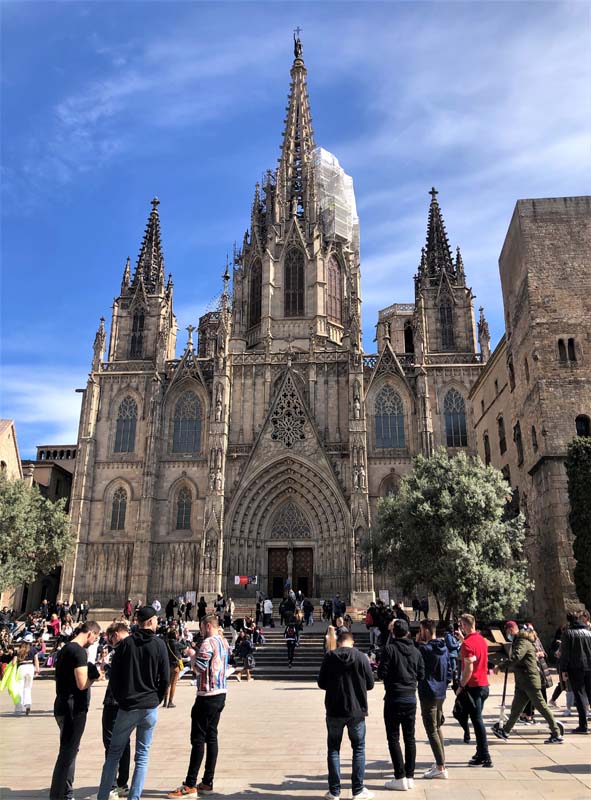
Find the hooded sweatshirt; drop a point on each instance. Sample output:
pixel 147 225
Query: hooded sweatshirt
pixel 140 671
pixel 437 672
pixel 401 668
pixel 346 677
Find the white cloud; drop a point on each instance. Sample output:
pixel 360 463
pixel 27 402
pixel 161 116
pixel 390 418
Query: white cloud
pixel 43 403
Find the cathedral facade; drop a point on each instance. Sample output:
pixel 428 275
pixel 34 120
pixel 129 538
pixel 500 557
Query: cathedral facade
pixel 264 449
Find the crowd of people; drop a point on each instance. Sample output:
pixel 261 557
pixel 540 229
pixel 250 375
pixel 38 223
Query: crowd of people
pixel 143 654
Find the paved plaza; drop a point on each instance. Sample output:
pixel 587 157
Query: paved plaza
pixel 272 745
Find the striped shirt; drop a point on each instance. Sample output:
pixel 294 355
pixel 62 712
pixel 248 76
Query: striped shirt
pixel 211 662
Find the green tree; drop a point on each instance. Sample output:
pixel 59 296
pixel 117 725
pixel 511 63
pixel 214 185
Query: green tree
pixel 35 533
pixel 446 529
pixel 578 470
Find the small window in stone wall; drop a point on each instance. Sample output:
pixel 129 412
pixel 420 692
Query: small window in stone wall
pixel 526 370
pixel 518 442
pixel 496 387
pixel 506 472
pixel 534 438
pixel 486 449
pixel 511 370
pixel 562 351
pixel 571 351
pixel 583 425
pixel 502 435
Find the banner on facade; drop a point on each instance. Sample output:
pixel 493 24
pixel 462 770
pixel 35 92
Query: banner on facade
pixel 244 580
pixel 384 596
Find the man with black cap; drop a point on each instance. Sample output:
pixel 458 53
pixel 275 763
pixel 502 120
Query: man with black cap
pixel 140 674
pixel 401 668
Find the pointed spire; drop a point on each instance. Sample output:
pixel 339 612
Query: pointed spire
pixel 460 266
pixel 483 337
pixel 98 346
pixel 438 254
pixel 298 139
pixel 150 263
pixel 125 281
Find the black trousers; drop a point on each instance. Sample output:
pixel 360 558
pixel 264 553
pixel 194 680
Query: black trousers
pixel 205 717
pixel 71 724
pixel 291 646
pixel 396 716
pixel 473 699
pixel 580 682
pixel 109 716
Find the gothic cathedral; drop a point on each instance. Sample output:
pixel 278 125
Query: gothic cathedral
pixel 264 449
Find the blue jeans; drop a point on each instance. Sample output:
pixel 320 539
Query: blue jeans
pixel 143 721
pixel 356 731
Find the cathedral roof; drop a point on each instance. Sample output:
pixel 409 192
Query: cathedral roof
pixel 437 255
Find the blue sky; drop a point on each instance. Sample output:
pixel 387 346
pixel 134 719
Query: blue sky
pixel 107 104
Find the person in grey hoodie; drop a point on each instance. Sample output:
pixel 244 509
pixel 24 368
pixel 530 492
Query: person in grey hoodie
pixel 432 691
pixel 346 677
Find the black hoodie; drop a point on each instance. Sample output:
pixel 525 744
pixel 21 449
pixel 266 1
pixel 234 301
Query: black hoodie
pixel 401 667
pixel 140 671
pixel 346 676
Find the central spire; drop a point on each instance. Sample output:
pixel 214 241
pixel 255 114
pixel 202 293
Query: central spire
pixel 437 257
pixel 150 263
pixel 298 140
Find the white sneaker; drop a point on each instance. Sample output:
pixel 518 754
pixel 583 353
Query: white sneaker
pixel 364 794
pixel 410 782
pixel 329 796
pixel 434 772
pixel 397 784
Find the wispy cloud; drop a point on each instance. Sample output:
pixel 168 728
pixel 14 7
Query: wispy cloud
pixel 44 404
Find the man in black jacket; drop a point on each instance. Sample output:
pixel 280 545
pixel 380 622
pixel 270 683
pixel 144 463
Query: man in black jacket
pixel 140 674
pixel 401 668
pixel 575 664
pixel 346 677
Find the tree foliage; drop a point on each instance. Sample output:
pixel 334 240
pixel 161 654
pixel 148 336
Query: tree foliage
pixel 35 534
pixel 578 470
pixel 446 530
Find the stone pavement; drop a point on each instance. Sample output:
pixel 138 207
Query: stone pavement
pixel 272 745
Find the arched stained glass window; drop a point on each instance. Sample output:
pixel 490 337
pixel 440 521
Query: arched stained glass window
pixel 294 283
pixel 389 414
pixel 256 289
pixel 334 309
pixel 454 409
pixel 446 322
pixel 183 510
pixel 126 422
pixel 137 335
pixel 118 510
pixel 186 436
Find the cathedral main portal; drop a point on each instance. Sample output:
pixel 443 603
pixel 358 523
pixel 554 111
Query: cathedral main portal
pixel 292 566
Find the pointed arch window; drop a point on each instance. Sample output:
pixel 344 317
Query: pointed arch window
pixel 454 409
pixel 118 510
pixel 183 510
pixel 256 291
pixel 126 422
pixel 294 283
pixel 334 305
pixel 409 345
pixel 389 414
pixel 486 449
pixel 186 437
pixel 446 322
pixel 502 435
pixel 137 335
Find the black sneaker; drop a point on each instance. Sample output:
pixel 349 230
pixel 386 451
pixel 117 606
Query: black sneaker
pixel 500 732
pixel 480 761
pixel 554 739
pixel 466 737
pixel 584 731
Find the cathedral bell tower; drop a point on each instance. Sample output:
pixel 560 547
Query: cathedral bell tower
pixel 443 300
pixel 143 324
pixel 296 277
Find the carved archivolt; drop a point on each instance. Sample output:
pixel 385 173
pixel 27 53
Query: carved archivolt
pixel 290 523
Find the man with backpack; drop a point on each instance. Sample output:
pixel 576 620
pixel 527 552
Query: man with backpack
pixel 346 677
pixel 291 636
pixel 432 691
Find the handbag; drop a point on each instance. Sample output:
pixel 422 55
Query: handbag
pixel 178 660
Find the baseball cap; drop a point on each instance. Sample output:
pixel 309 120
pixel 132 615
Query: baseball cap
pixel 400 628
pixel 145 613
